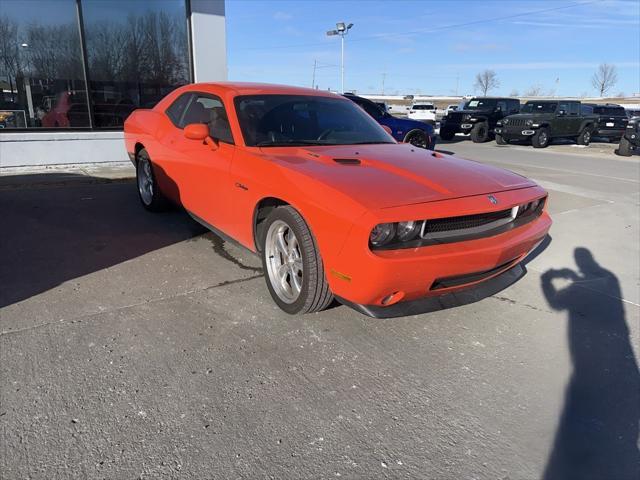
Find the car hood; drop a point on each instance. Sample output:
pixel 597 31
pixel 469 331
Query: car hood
pixel 391 175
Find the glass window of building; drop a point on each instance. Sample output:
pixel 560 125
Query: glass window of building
pixel 137 52
pixel 41 75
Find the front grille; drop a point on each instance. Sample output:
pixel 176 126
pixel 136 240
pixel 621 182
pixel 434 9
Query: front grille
pixel 516 122
pixel 454 117
pixel 465 222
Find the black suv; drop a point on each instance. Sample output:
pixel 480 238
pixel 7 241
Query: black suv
pixel 630 142
pixel 478 116
pixel 543 120
pixel 612 120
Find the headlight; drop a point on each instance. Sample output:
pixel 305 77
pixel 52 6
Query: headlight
pixel 407 231
pixel 382 234
pixel 528 123
pixel 466 117
pixel 472 119
pixel 505 121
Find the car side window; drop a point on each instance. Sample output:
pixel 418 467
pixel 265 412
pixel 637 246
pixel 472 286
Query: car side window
pixel 574 109
pixel 177 108
pixel 503 106
pixel 208 109
pixel 563 107
pixel 514 107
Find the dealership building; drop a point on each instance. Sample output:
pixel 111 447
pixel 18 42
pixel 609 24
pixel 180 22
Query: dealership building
pixel 71 71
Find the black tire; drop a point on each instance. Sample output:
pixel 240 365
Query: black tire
pixel 417 138
pixel 446 134
pixel 541 138
pixel 156 201
pixel 624 148
pixel 585 136
pixel 480 132
pixel 314 294
pixel 500 140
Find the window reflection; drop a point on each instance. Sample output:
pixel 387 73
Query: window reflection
pixel 41 77
pixel 137 53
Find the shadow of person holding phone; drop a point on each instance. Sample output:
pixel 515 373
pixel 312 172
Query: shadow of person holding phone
pixel 597 437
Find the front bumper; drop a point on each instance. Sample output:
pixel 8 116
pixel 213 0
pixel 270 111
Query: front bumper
pixel 368 278
pixel 464 296
pixel 515 133
pixel 454 128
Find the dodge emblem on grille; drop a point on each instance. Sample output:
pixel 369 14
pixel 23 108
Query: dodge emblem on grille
pixel 493 199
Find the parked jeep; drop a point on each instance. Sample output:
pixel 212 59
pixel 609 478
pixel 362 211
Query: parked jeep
pixel 630 142
pixel 543 120
pixel 478 116
pixel 612 120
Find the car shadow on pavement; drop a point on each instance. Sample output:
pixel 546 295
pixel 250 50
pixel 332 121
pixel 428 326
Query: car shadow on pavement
pixel 72 225
pixel 597 433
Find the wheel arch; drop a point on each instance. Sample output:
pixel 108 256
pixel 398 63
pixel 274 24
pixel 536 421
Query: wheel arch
pixel 136 149
pixel 260 213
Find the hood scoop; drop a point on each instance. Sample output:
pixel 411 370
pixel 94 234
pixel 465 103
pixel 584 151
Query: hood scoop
pixel 347 161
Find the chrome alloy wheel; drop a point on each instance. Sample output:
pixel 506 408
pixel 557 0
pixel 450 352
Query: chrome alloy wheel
pixel 544 138
pixel 145 180
pixel 284 261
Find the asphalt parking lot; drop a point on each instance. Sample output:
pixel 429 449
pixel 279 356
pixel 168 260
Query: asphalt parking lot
pixel 137 345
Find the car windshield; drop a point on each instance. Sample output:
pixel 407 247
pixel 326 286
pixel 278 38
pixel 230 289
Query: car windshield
pixel 422 107
pixel 476 104
pixel 539 107
pixel 290 120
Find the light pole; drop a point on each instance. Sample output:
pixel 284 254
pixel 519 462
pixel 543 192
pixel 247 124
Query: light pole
pixel 341 29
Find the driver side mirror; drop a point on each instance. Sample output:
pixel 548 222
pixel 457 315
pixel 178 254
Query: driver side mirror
pixel 561 113
pixel 200 131
pixel 387 129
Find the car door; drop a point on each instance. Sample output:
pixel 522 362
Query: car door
pixel 202 168
pixel 575 118
pixel 562 122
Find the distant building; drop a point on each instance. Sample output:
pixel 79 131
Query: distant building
pixel 72 70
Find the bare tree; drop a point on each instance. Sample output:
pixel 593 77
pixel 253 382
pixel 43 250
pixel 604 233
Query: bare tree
pixel 514 93
pixel 486 81
pixel 605 78
pixel 621 95
pixel 533 91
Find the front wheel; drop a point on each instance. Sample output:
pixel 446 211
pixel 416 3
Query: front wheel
pixel 417 138
pixel 624 149
pixel 500 140
pixel 585 137
pixel 292 263
pixel 540 139
pixel 480 133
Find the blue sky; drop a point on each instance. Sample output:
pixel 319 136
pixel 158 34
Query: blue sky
pixel 429 47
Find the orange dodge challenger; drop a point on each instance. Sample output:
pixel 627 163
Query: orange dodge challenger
pixel 333 204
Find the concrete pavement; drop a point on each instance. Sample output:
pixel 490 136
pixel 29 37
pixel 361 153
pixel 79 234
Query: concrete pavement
pixel 135 345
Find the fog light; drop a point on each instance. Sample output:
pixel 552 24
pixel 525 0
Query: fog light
pixel 392 298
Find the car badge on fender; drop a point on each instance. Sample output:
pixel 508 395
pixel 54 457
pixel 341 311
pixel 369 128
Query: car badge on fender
pixel 493 199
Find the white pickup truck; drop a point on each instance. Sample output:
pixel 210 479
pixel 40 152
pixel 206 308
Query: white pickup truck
pixel 425 112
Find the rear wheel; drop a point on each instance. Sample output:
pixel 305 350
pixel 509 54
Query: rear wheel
pixel 624 149
pixel 500 140
pixel 417 138
pixel 541 138
pixel 293 267
pixel 150 195
pixel 585 137
pixel 480 132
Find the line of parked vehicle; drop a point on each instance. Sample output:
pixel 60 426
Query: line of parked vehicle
pixel 505 120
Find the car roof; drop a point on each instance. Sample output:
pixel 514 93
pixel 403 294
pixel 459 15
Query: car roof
pixel 248 88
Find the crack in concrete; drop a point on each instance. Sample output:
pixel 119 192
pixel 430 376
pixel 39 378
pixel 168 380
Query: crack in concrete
pixel 80 318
